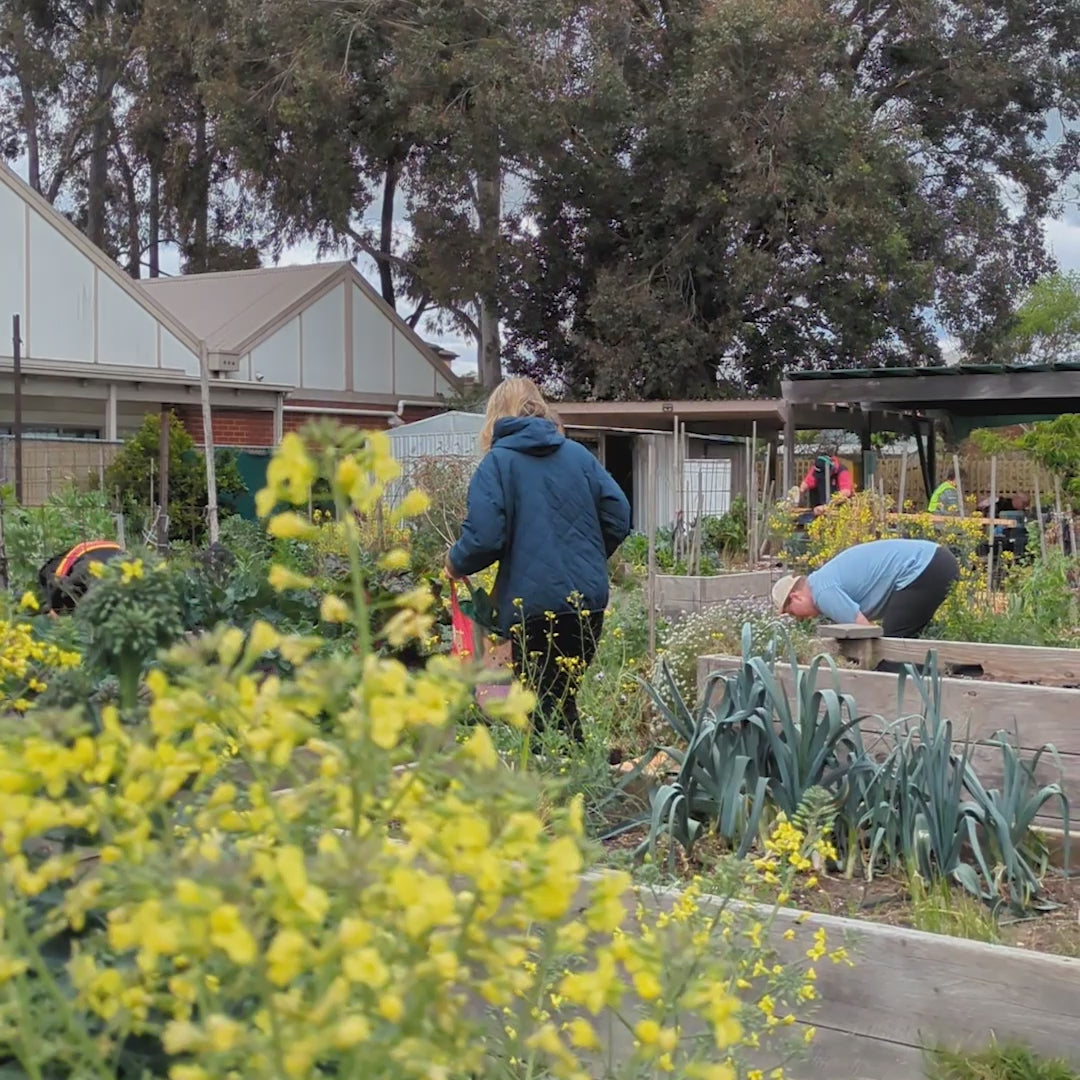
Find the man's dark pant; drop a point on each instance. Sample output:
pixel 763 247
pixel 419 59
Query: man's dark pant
pixel 909 610
pixel 550 657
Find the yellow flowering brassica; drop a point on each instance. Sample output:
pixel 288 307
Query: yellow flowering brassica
pixel 286 876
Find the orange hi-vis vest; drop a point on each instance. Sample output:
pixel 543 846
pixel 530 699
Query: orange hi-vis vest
pixel 77 552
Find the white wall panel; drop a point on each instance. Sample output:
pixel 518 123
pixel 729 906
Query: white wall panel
pixel 413 375
pixel 61 313
pixel 176 355
pixel 12 265
pixel 372 347
pixel 127 332
pixel 323 340
pixel 277 359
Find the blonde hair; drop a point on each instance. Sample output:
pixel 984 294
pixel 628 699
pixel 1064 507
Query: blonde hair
pixel 512 397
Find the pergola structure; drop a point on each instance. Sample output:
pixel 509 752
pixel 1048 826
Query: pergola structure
pixel 741 418
pixel 959 398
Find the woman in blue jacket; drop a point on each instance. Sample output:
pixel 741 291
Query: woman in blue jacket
pixel 548 512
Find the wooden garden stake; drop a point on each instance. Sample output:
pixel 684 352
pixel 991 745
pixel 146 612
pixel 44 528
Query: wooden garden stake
pixel 993 517
pixel 1039 518
pixel 695 546
pixel 903 483
pixel 959 484
pixel 651 591
pixel 1057 513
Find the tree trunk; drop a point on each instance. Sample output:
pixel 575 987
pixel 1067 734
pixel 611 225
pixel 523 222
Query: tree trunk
pixel 200 245
pixel 131 196
pixel 386 229
pixel 154 222
pixel 99 142
pixel 489 216
pixel 30 131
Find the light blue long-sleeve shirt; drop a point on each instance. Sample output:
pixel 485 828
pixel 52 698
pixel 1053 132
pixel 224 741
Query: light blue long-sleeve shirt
pixel 864 577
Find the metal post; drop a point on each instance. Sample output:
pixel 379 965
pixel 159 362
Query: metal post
pixel 1039 517
pixel 651 506
pixel 960 485
pixel 1058 514
pixel 789 450
pixel 17 427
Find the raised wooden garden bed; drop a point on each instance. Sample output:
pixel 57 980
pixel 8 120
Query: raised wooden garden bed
pixel 911 991
pixel 978 708
pixel 867 646
pixel 676 594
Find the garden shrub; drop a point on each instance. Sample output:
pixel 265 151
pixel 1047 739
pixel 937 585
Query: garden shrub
pixel 388 904
pixel 134 470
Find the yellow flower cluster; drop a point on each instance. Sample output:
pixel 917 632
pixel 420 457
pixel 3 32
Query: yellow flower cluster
pixel 308 875
pixel 788 846
pixel 25 662
pixel 865 516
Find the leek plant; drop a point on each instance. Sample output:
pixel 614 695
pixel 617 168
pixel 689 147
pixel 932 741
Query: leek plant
pixel 756 743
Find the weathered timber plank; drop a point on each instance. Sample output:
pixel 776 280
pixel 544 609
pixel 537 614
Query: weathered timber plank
pixel 1033 714
pixel 835 1053
pixel 849 631
pixel 1051 667
pixel 917 989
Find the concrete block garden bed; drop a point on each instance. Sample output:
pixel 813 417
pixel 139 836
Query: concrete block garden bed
pixel 676 594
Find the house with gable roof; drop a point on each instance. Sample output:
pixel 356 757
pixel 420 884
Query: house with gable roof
pixel 99 350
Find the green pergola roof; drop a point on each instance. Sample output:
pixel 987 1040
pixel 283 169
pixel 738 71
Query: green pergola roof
pixel 943 372
pixel 965 396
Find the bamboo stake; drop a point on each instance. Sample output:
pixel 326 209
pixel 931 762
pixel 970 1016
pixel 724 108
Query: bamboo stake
pixel 992 515
pixel 752 545
pixel 1039 517
pixel 749 499
pixel 769 498
pixel 651 479
pixel 763 508
pixel 1058 517
pixel 959 485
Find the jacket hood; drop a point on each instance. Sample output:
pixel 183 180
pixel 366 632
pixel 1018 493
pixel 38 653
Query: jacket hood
pixel 527 435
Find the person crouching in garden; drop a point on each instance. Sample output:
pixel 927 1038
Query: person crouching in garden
pixel 899 583
pixel 65 578
pixel 548 512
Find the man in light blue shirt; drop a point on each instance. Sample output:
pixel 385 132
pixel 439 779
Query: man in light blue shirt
pixel 899 583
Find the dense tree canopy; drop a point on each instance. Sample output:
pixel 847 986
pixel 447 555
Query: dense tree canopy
pixel 621 197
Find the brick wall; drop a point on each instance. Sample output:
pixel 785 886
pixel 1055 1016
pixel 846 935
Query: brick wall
pixel 293 421
pixel 232 427
pixel 255 427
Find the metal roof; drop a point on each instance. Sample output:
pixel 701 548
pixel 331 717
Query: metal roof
pixel 949 370
pixel 230 308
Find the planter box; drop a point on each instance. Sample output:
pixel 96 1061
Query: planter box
pixel 910 991
pixel 1033 715
pixel 676 594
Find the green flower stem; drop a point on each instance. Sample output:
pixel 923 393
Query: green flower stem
pixel 25 942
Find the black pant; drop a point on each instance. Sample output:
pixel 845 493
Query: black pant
pixel 550 656
pixel 909 610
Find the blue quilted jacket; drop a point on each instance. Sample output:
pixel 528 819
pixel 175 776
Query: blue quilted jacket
pixel 549 513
